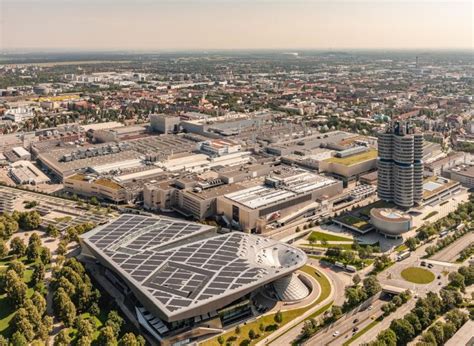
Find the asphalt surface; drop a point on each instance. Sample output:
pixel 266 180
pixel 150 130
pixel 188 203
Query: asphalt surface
pixel 451 252
pixel 344 326
pixel 390 277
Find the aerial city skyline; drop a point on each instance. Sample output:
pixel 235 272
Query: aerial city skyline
pixel 236 173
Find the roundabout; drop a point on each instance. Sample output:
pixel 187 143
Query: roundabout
pixel 417 275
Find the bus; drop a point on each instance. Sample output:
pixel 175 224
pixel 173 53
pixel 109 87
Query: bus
pixel 402 255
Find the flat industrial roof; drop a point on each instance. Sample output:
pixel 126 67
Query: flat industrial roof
pixel 166 261
pixel 293 185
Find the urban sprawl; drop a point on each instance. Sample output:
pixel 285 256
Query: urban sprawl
pixel 311 198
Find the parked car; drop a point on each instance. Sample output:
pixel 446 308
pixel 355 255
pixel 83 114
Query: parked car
pixel 336 333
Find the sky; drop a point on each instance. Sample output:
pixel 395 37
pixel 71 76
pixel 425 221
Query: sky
pixel 169 25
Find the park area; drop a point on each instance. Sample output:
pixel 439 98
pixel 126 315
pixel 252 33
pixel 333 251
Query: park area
pixel 417 275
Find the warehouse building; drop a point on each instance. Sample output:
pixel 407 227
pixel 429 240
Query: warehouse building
pixel 285 196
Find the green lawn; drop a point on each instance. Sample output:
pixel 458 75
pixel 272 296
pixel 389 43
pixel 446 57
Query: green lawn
pixel 327 246
pixel 320 236
pixel 354 221
pixel 353 159
pixel 269 319
pixel 417 275
pixel 433 213
pixel 401 248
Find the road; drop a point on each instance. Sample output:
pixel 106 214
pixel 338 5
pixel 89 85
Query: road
pixel 392 277
pixel 389 277
pixel 338 284
pixel 451 252
pixel 346 324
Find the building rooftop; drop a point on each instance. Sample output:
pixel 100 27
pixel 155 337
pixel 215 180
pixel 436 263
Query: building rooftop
pixel 184 269
pixel 354 159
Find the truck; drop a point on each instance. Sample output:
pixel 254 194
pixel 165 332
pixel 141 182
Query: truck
pixel 402 255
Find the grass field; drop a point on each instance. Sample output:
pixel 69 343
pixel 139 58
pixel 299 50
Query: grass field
pixel 433 213
pixel 401 247
pixel 327 246
pixel 269 319
pixel 417 275
pixel 353 159
pixel 355 222
pixel 320 236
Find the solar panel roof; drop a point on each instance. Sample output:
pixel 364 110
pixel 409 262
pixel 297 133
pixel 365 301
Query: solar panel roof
pixel 184 275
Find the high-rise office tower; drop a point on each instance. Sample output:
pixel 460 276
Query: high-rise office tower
pixel 400 164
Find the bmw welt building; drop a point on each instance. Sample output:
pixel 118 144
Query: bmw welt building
pixel 184 281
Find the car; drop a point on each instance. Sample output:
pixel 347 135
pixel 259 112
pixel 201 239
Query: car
pixel 336 333
pixel 356 320
pixel 370 307
pixel 439 277
pixel 430 265
pixel 423 263
pixel 355 329
pixel 439 283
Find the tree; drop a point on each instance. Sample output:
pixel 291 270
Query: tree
pixel 450 299
pixel 85 327
pixel 414 321
pixel 449 329
pixel 62 248
pixel 468 273
pixel 3 249
pixel 64 307
pixel 23 325
pixel 456 317
pixel 115 321
pixel 39 302
pixel 38 273
pixel 438 332
pixel 15 288
pixel 63 338
pixel 52 231
pixel 29 220
pixel 18 339
pixel 429 338
pixel 356 279
pixel 18 267
pixel 237 330
pixel 387 337
pixel 220 340
pixel 371 285
pixel 457 280
pixel 84 341
pixel 129 339
pixel 411 243
pixel 403 330
pixel 397 301
pixel 4 341
pixel 17 247
pixel 94 201
pixel 251 334
pixel 336 312
pixel 45 255
pixel 278 317
pixel 107 336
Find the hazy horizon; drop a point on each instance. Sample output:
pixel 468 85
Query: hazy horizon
pixel 232 25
